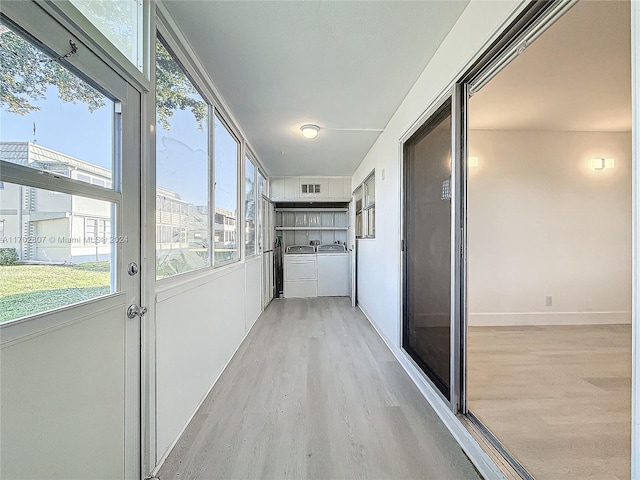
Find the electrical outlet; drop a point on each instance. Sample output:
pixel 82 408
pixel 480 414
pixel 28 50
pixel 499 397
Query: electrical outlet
pixel 548 300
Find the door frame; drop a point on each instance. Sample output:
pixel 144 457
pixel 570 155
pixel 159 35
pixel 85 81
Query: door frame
pixel 530 24
pixel 453 95
pixel 266 233
pixel 50 29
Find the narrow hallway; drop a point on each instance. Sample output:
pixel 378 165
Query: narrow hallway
pixel 313 392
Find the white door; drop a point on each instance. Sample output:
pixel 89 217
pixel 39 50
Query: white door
pixel 69 188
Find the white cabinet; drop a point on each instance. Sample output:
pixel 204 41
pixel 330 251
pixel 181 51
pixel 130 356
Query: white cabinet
pixel 337 187
pixel 277 188
pixel 295 189
pixel 291 187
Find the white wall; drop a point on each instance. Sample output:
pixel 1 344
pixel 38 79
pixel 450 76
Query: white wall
pixel 542 222
pixel 379 259
pixel 199 326
pixel 63 395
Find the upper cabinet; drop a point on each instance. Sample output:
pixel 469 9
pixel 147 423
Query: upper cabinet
pixel 296 189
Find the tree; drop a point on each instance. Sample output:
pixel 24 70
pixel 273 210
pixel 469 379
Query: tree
pixel 174 91
pixel 26 74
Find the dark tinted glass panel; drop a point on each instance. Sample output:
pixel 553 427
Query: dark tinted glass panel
pixel 427 325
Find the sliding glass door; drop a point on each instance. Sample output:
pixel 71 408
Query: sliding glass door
pixel 432 239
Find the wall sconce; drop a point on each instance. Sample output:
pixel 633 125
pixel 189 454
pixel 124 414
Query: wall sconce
pixel 473 162
pixel 602 163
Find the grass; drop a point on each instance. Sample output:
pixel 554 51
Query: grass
pixel 30 289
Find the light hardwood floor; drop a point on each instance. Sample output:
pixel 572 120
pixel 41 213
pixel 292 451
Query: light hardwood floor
pixel 313 392
pixel 558 397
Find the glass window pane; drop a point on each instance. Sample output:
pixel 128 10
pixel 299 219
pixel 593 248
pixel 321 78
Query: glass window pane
pixel 371 222
pixel 52 120
pixel 427 320
pixel 262 183
pixel 358 195
pixel 55 250
pixel 359 225
pixel 370 191
pixel 118 20
pixel 226 192
pixel 182 171
pixel 250 207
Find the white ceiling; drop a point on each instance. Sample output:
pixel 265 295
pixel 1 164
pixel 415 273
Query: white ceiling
pixel 344 65
pixel 575 77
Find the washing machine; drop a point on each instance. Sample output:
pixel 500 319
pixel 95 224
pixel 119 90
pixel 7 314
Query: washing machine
pixel 300 272
pixel 333 271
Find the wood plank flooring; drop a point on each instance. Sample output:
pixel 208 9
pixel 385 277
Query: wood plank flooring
pixel 558 397
pixel 313 392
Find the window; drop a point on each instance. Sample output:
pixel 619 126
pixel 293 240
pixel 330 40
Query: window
pixel 51 266
pixel 262 186
pixel 358 195
pixel 365 196
pixel 249 208
pixel 64 250
pixel 369 206
pixel 121 21
pixel 226 193
pixel 182 171
pixel 90 230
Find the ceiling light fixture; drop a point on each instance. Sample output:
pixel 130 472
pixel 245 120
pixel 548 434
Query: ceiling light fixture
pixel 310 131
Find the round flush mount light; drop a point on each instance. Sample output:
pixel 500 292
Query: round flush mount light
pixel 310 131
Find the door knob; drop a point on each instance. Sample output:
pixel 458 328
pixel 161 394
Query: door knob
pixel 135 311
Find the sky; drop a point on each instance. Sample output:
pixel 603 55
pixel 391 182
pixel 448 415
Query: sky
pixel 66 127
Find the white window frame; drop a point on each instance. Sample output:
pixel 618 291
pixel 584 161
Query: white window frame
pixel 368 207
pixel 239 238
pixel 249 158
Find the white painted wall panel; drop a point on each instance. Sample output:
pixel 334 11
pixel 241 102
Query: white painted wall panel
pixel 542 222
pixel 277 188
pixel 63 401
pixel 253 291
pixel 198 331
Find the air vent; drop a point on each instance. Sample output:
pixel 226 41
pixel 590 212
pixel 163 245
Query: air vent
pixel 310 187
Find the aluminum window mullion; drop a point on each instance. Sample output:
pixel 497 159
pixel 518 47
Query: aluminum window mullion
pixel 212 183
pixel 29 177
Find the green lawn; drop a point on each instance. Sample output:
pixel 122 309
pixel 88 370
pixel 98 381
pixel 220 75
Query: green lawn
pixel 30 289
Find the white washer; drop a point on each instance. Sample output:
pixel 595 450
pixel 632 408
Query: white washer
pixel 300 272
pixel 333 271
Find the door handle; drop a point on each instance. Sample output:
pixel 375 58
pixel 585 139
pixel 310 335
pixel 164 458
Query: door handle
pixel 135 311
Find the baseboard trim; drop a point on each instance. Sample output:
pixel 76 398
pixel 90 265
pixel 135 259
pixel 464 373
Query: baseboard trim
pixel 482 462
pixel 548 318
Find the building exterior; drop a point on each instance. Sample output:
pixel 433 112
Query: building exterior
pixel 52 227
